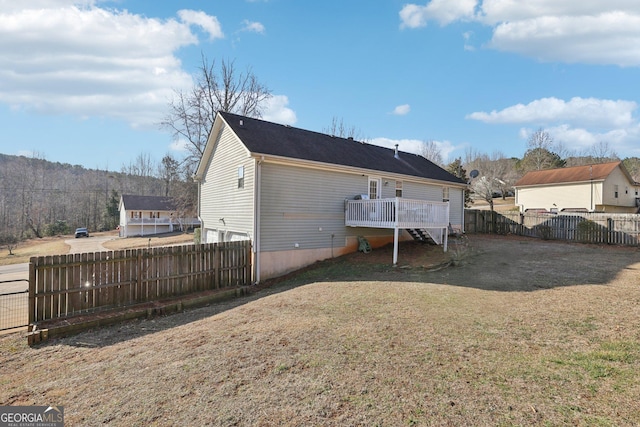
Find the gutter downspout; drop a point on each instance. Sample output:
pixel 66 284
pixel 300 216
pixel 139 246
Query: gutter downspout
pixel 198 213
pixel 256 220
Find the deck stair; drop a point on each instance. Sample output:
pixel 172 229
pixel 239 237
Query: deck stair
pixel 420 235
pixel 433 236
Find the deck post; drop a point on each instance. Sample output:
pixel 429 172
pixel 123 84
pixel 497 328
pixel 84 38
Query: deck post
pixel 446 236
pixel 395 245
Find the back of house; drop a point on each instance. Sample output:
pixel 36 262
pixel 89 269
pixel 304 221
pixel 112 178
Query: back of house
pixel 287 190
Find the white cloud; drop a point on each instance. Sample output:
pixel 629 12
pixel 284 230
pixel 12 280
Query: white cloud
pixel 580 140
pixel 277 111
pixel 179 145
pixel 578 123
pixel 208 23
pixel 414 145
pixel 254 27
pixel 87 61
pixel 402 110
pixel 443 11
pixel 588 31
pixel 578 111
pixel 467 36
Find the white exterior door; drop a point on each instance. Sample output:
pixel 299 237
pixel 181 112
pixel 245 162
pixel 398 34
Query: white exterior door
pixel 375 185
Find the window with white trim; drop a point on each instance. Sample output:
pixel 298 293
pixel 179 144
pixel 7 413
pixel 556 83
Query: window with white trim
pixel 241 177
pixel 445 194
pixel 398 188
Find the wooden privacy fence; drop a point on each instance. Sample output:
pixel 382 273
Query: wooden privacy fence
pixel 618 229
pixel 68 285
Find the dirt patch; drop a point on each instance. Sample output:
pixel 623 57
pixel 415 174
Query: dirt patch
pixel 520 332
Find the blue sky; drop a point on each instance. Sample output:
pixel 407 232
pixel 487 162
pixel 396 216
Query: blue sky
pixel 87 81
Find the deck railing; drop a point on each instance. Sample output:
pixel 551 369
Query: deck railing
pixel 163 221
pixel 396 213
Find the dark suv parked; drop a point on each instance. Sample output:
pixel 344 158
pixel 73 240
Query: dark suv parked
pixel 82 232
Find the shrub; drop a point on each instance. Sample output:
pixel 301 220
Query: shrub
pixel 587 229
pixel 544 231
pixel 9 241
pixel 56 228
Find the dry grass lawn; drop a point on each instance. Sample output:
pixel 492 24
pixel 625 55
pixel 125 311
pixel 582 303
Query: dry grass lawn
pixel 34 247
pixel 522 332
pixel 56 245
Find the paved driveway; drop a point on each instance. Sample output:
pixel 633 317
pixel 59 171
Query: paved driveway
pixel 21 271
pixel 87 244
pixel 9 276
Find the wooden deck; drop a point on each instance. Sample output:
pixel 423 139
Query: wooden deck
pixel 399 213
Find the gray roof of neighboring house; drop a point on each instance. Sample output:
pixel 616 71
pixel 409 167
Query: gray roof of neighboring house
pixel 262 137
pixel 148 203
pixel 582 173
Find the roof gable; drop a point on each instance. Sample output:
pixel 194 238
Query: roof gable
pixel 148 203
pixel 265 138
pixel 584 173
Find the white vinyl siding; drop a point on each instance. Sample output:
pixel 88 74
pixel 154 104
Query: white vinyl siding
pixel 305 206
pixel 566 196
pixel 456 206
pixel 617 180
pixel 227 210
pixel 414 190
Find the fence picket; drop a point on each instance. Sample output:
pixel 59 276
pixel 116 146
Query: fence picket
pixel 599 228
pixel 67 285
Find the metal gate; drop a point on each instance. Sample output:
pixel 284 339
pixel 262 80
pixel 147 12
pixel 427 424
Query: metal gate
pixel 14 307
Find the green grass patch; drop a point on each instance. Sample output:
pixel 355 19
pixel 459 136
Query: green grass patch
pixel 611 359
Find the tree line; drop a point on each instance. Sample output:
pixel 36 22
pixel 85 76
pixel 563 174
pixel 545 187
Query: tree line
pixel 40 198
pixel 497 174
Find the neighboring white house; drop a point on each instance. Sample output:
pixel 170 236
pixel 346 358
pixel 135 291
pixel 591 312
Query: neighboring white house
pixel 303 196
pixel 146 215
pixel 605 187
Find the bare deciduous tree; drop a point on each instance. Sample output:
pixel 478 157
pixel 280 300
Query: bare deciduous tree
pixel 495 174
pixel 431 151
pixel 169 172
pixel 602 152
pixel 224 88
pixel 541 153
pixel 340 129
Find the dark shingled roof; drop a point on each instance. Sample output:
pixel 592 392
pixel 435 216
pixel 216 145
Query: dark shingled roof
pixel 262 137
pixel 563 175
pixel 148 203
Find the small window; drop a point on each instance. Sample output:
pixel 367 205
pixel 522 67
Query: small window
pixel 445 194
pixel 241 177
pixel 398 188
pixel 615 191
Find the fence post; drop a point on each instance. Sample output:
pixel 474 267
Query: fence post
pixel 32 292
pixel 610 238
